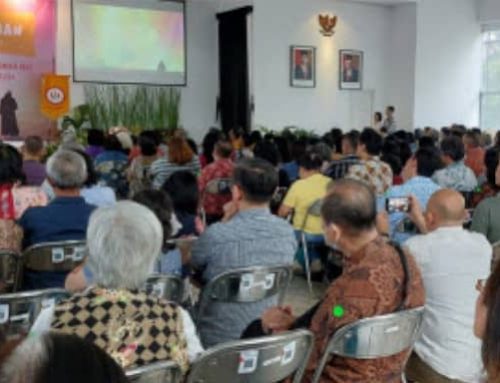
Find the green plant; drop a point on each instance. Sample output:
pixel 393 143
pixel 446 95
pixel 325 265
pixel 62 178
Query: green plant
pixel 80 115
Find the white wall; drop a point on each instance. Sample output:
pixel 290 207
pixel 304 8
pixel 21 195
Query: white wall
pixel 489 11
pixel 199 96
pixel 281 23
pixel 448 64
pixel 400 55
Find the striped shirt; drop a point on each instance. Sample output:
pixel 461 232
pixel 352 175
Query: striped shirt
pixel 162 169
pixel 339 168
pixel 252 238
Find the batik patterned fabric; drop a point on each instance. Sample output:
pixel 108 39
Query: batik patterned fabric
pixel 371 285
pixel 135 329
pixel 214 203
pixel 456 176
pixel 375 173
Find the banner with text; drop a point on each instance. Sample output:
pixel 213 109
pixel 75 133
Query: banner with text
pixel 27 51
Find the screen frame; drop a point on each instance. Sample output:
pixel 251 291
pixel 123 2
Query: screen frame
pixel 180 85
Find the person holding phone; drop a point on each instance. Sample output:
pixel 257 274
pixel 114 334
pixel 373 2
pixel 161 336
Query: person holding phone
pixel 417 175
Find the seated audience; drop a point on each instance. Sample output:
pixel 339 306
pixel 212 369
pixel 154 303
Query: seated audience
pixel 311 187
pixel 456 175
pixel 58 358
pixel 486 324
pixel 133 328
pixel 94 193
pixel 474 153
pixel 326 153
pixel 488 188
pixel 451 260
pixel 372 284
pixel 95 141
pixel 138 174
pixel 268 150
pixel 14 198
pixel 221 168
pixel 339 168
pixel 111 165
pixel 180 157
pixel 208 144
pixel 371 170
pixel 236 138
pixel 64 218
pixel 249 236
pixel 486 217
pixel 297 149
pixel 33 151
pixel 417 179
pixel 182 188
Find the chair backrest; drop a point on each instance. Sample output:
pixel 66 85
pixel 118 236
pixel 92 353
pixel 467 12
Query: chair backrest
pixel 219 186
pixel 314 210
pixel 18 311
pixel 260 360
pixel 169 287
pixel 55 256
pixel 10 268
pixel 496 255
pixel 246 285
pixel 161 372
pixel 374 338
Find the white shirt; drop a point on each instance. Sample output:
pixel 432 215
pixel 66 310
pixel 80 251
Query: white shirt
pixel 194 348
pixel 452 260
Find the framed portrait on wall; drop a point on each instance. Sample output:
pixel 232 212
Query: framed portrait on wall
pixel 351 70
pixel 302 66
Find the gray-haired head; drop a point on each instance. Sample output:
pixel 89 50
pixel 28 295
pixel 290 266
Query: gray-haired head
pixel 25 361
pixel 66 170
pixel 123 242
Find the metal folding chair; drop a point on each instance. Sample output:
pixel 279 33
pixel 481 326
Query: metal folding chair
pixel 247 285
pixel 260 360
pixel 10 271
pixel 313 211
pixel 55 256
pixel 374 338
pixel 18 311
pixel 161 372
pixel 169 287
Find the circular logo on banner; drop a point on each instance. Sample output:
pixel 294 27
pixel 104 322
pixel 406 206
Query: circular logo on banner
pixel 55 96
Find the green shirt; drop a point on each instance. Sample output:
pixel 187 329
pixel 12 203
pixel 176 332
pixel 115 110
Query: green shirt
pixel 486 219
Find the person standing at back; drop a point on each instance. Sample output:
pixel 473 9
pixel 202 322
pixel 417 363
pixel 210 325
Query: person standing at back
pixel 452 260
pixel 248 236
pixel 389 125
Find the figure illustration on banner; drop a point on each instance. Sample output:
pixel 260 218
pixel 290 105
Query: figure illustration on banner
pixel 8 108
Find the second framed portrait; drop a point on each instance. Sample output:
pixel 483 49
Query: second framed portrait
pixel 351 70
pixel 302 66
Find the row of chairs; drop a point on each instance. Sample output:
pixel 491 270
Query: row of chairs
pixel 274 358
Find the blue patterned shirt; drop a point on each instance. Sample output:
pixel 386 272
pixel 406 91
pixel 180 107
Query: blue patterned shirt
pixel 251 238
pixel 422 188
pixel 456 176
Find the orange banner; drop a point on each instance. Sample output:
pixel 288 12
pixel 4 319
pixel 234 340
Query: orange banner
pixel 54 96
pixel 17 33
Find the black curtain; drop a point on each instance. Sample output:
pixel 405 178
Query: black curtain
pixel 234 96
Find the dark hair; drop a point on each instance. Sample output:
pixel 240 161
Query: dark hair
pixel 33 145
pixel 11 165
pixel 491 160
pixel 209 142
pixel 453 147
pixel 192 145
pixel 490 350
pixel 92 176
pixel 352 139
pixel 426 142
pixel 297 149
pixel 351 205
pixel 371 140
pixel 148 145
pixel 391 108
pixel 159 203
pixel 65 358
pixel 474 137
pixel 428 161
pixel 379 116
pixel 267 150
pixel 282 145
pixel 182 187
pixel 95 137
pixel 311 160
pixel 257 178
pixel 393 161
pixel 112 143
pixel 224 149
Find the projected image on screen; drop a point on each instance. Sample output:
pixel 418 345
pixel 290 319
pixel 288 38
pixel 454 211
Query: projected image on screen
pixel 119 42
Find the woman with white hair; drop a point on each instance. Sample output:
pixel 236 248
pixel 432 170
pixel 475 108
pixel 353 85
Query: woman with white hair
pixel 134 328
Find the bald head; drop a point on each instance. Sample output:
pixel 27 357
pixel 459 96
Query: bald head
pixel 351 205
pixel 447 206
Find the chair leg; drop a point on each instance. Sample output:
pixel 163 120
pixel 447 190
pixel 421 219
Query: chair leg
pixel 306 262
